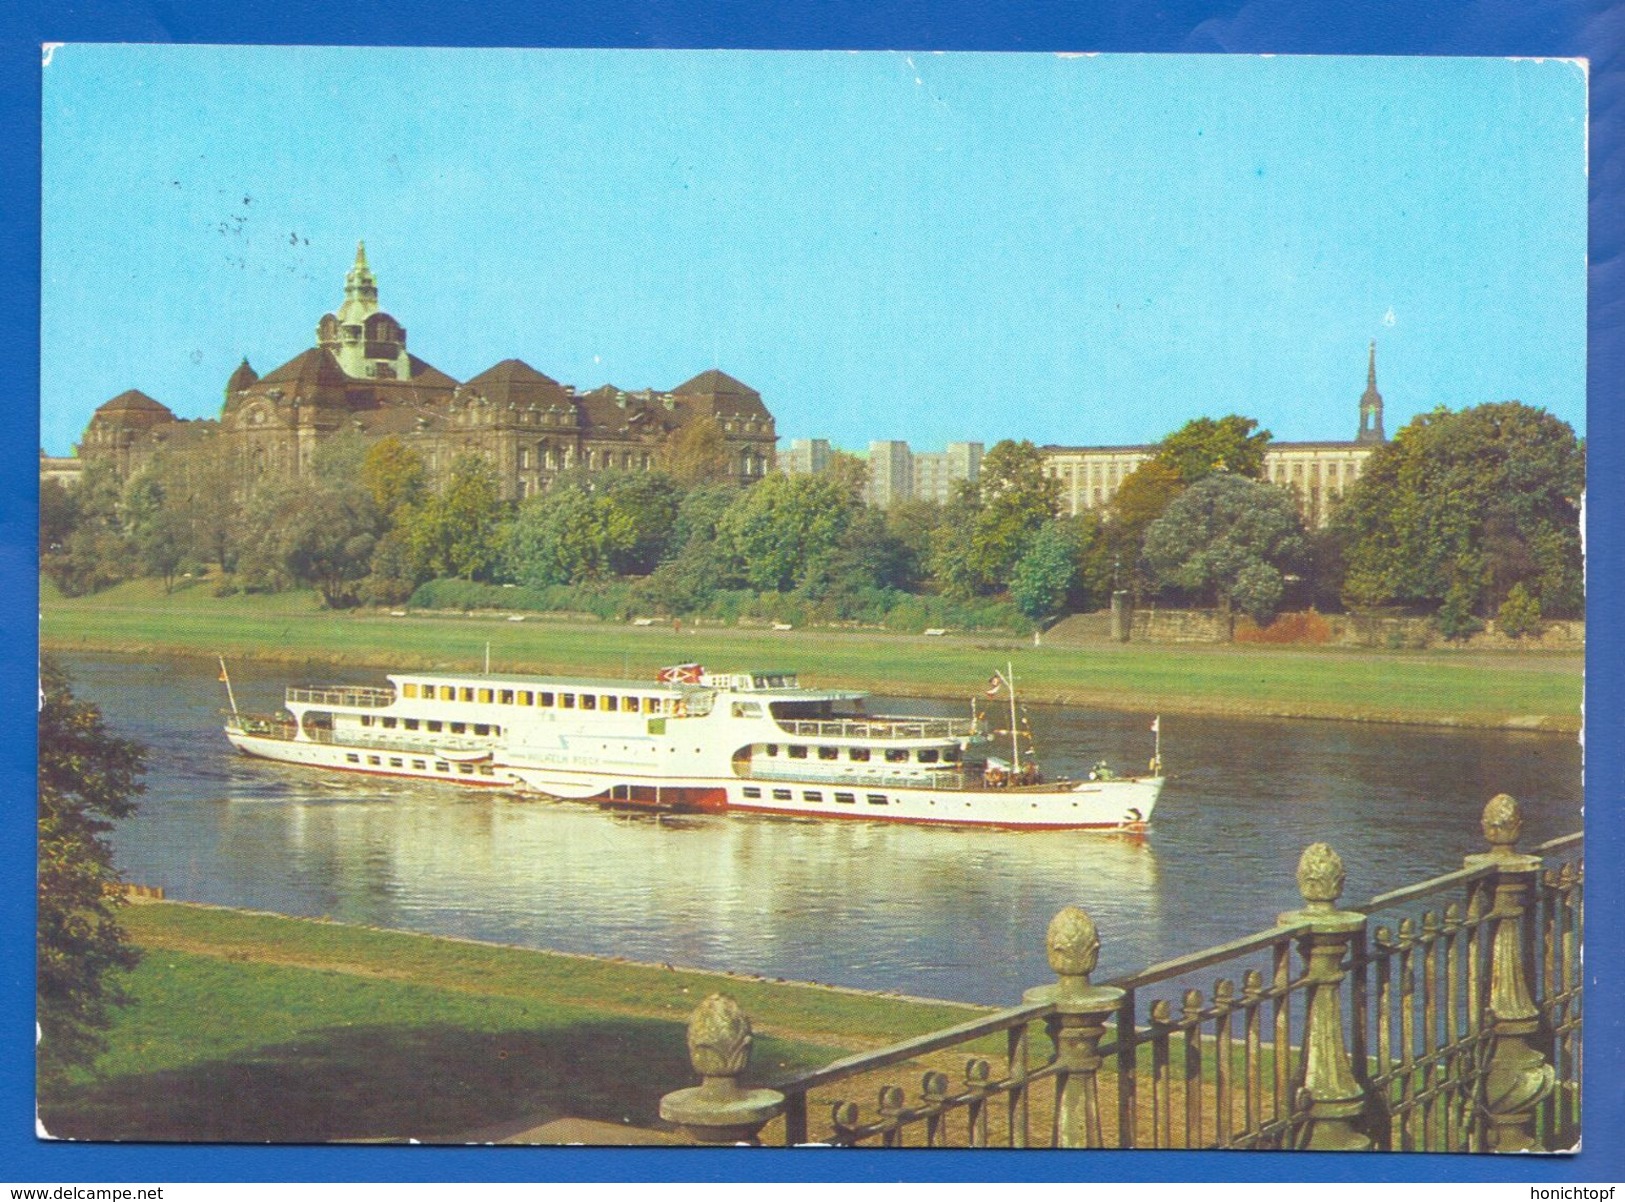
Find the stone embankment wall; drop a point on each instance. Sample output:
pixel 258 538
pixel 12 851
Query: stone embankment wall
pixel 1385 632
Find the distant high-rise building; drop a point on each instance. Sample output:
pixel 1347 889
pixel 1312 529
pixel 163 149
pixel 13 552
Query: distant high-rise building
pixel 936 472
pixel 805 457
pixel 891 473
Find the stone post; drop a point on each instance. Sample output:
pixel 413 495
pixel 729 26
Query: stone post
pixel 1076 1026
pixel 1336 1095
pixel 1122 616
pixel 1519 1076
pixel 718 1111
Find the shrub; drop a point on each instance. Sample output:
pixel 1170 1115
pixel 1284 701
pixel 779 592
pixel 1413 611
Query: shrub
pixel 1304 627
pixel 1519 614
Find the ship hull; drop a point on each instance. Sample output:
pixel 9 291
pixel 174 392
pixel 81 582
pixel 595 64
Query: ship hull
pixel 368 761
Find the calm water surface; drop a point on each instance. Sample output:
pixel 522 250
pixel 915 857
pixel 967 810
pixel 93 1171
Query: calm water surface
pixel 940 913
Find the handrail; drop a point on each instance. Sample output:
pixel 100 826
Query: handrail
pixel 349 695
pixel 1180 965
pixel 879 728
pixel 909 1049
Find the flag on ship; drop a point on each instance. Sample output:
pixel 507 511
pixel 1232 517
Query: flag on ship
pixel 682 674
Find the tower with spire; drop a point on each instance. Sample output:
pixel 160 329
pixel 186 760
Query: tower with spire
pixel 1371 404
pixel 368 343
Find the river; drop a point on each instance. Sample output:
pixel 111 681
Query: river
pixel 933 912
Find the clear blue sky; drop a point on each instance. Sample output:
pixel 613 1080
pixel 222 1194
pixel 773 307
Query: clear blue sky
pixel 930 247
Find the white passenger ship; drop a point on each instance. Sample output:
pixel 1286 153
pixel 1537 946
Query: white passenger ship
pixel 691 741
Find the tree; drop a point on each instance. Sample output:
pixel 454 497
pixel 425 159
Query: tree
pixel 557 538
pixel 1229 540
pixel 456 532
pixel 395 476
pixel 1203 446
pixel 991 522
pixel 639 512
pixel 778 530
pixel 1460 507
pixel 695 452
pixel 88 779
pixel 1045 574
pixel 327 538
pixel 1140 499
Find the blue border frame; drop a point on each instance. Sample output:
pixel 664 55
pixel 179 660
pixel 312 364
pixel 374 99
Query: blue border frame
pixel 1401 27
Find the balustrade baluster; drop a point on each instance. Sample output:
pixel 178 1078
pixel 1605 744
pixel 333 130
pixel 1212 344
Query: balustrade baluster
pixel 1191 1024
pixel 1224 1000
pixel 1252 992
pixel 1162 1123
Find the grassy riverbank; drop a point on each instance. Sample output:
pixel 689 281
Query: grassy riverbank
pixel 1480 689
pixel 258 1027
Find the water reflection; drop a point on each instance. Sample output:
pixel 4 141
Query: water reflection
pixel 935 912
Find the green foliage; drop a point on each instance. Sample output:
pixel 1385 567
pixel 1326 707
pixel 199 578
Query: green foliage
pixel 1065 567
pixel 321 535
pixel 778 532
pixel 395 476
pixel 1460 507
pixel 455 533
pixel 340 459
pixel 1519 613
pixel 1455 618
pixel 696 452
pixel 1230 540
pixel 88 779
pixel 987 527
pixel 1203 446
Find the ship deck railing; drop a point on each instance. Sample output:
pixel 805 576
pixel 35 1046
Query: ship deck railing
pixel 942 778
pixel 349 696
pixel 880 728
pixel 270 728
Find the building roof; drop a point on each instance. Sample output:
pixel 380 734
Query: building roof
pixel 132 408
pixel 309 371
pixel 515 382
pixel 718 394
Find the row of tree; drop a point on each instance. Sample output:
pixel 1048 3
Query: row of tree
pixel 1460 514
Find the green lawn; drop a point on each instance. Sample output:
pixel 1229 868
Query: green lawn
pixel 1532 690
pixel 258 1027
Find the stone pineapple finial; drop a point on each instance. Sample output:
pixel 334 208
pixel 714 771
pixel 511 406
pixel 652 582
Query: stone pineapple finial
pixel 719 1038
pixel 1073 945
pixel 1320 876
pixel 1502 824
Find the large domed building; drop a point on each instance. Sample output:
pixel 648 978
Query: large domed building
pixel 360 379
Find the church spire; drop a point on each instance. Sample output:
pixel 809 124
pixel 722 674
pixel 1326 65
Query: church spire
pixel 1371 404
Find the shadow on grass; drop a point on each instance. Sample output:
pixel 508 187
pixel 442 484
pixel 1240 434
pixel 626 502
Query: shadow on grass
pixel 427 1082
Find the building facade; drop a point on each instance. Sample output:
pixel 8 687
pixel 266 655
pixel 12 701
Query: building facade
pixel 1317 473
pixel 360 379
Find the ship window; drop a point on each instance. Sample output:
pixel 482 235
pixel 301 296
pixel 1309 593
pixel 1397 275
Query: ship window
pixel 588 701
pixel 782 795
pixel 846 799
pixel 440 766
pixel 747 709
pixel 389 724
pixel 420 765
pixel 896 755
pixel 567 701
pixel 812 795
pixel 447 693
pixel 372 759
pixel 458 728
pixel 485 696
pixel 629 704
pixel 436 725
pixel 409 690
pixel 366 719
pixel 928 755
pixel 410 723
pixel 465 693
pixel 797 752
pixel 611 702
pixel 487 770
pixel 544 699
pixel 750 791
pixel 352 759
pixel 526 697
pixel 651 705
pixel 466 769
pixel 480 728
pixel 505 697
pixel 860 754
pixel 395 762
pixel 951 755
pixel 829 753
pixel 772 749
pixel 876 799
